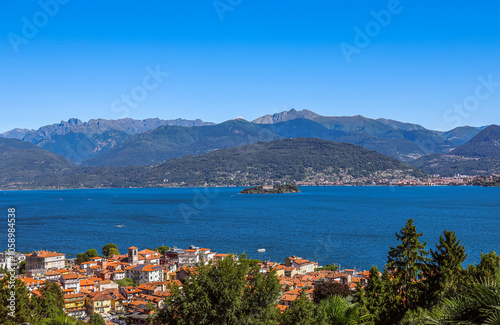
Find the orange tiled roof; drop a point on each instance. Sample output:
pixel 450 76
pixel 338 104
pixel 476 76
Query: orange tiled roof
pixel 45 254
pixel 147 251
pixel 289 297
pixel 70 276
pixel 86 282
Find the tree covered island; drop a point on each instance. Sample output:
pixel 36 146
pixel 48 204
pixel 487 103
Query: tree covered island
pixel 271 189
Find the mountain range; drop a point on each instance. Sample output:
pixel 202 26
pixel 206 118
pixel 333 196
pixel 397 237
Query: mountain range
pixel 151 142
pixel 282 160
pixel 126 142
pixel 478 156
pixel 79 141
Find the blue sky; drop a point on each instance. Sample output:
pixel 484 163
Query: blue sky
pixel 222 59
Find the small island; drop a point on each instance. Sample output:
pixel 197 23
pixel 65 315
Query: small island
pixel 271 189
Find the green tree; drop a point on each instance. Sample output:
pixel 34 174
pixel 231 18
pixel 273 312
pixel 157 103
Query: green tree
pixel 91 253
pixel 302 312
pixel 96 319
pixel 475 303
pixel 62 320
pixel 127 282
pixel 228 292
pixel 51 303
pixel 81 258
pixel 445 272
pixel 328 267
pixel 329 289
pixel 372 298
pixel 106 249
pixel 486 268
pixel 23 310
pixel 22 267
pixel 162 249
pixel 407 263
pixel 113 251
pixel 337 310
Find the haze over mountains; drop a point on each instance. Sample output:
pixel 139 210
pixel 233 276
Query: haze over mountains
pixel 133 142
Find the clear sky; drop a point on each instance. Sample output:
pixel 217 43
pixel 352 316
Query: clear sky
pixel 413 60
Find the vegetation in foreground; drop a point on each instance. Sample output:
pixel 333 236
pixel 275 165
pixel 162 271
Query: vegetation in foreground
pixel 416 286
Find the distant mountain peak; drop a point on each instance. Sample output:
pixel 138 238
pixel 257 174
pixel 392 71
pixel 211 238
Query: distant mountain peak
pixel 292 114
pixel 72 121
pixel 485 144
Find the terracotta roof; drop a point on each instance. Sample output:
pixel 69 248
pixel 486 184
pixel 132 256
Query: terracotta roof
pixel 147 251
pixel 30 281
pixel 144 268
pixel 86 282
pixel 105 282
pixel 289 297
pixel 45 254
pixel 74 295
pixel 132 247
pixel 70 276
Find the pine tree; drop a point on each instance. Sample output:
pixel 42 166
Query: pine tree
pixel 445 272
pixel 24 310
pixel 374 294
pixel 407 263
pixel 51 303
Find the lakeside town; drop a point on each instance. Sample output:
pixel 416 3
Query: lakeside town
pixel 126 289
pixel 376 179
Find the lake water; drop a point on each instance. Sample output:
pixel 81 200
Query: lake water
pixel 352 226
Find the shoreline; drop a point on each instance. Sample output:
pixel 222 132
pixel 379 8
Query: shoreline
pixel 225 186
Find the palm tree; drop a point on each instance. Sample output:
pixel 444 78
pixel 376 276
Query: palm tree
pixel 61 320
pixel 337 310
pixel 477 303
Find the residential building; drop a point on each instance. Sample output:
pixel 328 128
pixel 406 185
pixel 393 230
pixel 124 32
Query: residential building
pixel 74 305
pixel 70 282
pixel 99 302
pixel 190 257
pixel 118 275
pixel 45 260
pixel 32 284
pixel 11 260
pixel 143 273
pixel 106 284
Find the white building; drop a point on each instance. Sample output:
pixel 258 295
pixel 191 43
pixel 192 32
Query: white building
pixel 144 273
pixel 45 260
pixel 70 282
pixel 194 255
pixel 11 260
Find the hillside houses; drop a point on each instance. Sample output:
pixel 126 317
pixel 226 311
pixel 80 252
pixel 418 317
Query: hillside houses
pixel 92 287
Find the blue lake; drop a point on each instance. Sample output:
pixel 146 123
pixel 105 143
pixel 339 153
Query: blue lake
pixel 352 226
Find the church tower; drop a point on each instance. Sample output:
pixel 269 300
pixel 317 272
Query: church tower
pixel 133 257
